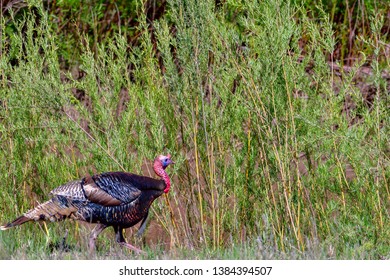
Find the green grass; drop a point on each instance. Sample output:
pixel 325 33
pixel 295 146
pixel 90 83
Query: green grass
pixel 276 155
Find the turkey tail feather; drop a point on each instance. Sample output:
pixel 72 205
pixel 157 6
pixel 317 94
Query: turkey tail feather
pixel 21 220
pixel 56 209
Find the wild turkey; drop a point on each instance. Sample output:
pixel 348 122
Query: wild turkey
pixel 116 199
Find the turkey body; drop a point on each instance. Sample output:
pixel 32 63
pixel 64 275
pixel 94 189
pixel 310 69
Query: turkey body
pixel 113 199
pixel 116 199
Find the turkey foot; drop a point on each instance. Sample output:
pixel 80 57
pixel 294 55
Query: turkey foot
pixel 131 247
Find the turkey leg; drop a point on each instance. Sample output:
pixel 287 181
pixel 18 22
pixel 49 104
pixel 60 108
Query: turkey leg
pixel 94 234
pixel 121 240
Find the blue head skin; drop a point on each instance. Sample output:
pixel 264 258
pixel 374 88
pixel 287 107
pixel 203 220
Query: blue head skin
pixel 165 161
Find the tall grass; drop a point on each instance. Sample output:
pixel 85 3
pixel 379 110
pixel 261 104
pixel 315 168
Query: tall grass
pixel 267 154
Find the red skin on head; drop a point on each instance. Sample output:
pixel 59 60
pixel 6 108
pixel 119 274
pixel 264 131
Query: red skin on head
pixel 160 170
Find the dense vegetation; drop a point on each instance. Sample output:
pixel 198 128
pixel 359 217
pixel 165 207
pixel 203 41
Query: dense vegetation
pixel 276 113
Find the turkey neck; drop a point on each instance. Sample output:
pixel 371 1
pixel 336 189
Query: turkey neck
pixel 163 174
